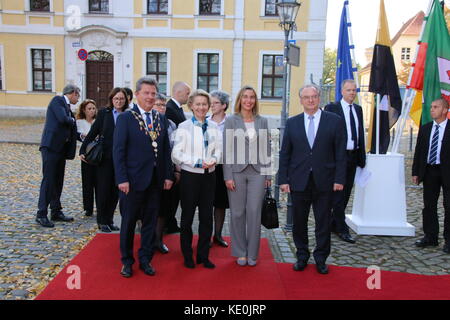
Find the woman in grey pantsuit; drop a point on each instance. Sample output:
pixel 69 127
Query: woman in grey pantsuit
pixel 246 173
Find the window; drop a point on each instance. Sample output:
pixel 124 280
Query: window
pixel 157 69
pixel 272 77
pixel 157 6
pixel 41 61
pixel 40 5
pixel 99 6
pixel 208 71
pixel 406 53
pixel 271 8
pixel 209 7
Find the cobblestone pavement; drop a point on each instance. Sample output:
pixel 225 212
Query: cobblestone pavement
pixel 31 256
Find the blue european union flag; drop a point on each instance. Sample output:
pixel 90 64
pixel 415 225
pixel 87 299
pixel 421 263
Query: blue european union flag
pixel 344 68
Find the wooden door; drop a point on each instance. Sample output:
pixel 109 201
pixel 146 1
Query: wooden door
pixel 99 77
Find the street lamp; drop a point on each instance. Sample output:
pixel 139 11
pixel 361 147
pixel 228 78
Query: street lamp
pixel 287 11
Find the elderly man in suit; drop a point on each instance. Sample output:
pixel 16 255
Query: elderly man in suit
pixel 356 154
pixel 175 113
pixel 312 167
pixel 58 143
pixel 431 165
pixel 141 155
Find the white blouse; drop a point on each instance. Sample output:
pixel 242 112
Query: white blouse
pixel 83 126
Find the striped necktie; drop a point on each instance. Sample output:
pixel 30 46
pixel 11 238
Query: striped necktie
pixel 434 146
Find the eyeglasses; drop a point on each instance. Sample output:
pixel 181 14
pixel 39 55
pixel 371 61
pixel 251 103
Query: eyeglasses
pixel 161 105
pixel 118 99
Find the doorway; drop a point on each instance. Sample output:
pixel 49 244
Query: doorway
pixel 99 77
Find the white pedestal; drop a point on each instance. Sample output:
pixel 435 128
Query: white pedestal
pixel 379 208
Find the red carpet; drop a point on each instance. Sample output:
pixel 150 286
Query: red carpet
pixel 100 265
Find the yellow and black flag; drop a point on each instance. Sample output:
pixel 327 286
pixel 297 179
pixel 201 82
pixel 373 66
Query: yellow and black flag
pixel 383 81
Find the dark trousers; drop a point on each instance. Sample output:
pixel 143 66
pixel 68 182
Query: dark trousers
pixel 107 192
pixel 341 198
pixel 196 190
pixel 88 183
pixel 53 166
pixel 432 184
pixel 139 205
pixel 173 197
pixel 321 203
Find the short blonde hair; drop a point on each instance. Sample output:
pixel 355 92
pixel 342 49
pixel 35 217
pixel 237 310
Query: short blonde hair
pixel 237 105
pixel 197 93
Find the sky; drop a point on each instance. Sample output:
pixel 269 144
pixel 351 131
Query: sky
pixel 364 18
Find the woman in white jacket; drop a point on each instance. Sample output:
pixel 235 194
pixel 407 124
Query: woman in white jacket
pixel 197 149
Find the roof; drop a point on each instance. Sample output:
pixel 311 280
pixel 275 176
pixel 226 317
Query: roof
pixel 412 27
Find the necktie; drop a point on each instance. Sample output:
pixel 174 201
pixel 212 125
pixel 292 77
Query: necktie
pixel 311 131
pixel 353 128
pixel 148 120
pixel 434 145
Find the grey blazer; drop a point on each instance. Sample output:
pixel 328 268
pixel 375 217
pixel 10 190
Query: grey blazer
pixel 239 151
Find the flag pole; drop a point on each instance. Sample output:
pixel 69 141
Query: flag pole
pixel 377 134
pixel 409 92
pixel 352 50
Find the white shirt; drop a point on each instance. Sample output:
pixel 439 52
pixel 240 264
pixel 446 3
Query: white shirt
pixel 220 125
pixel 142 111
pixel 250 129
pixel 346 109
pixel 442 126
pixel 83 126
pixel 316 122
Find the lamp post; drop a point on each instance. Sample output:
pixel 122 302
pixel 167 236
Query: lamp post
pixel 287 11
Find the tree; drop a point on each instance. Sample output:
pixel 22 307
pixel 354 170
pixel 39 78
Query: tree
pixel 329 66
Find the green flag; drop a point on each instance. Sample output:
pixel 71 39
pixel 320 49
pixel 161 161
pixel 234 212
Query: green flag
pixel 436 79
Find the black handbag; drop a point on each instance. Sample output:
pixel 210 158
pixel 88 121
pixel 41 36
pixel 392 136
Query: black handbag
pixel 94 152
pixel 269 212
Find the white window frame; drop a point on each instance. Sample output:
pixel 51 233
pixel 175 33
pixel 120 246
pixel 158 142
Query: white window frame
pixel 110 9
pixel 30 68
pixel 197 9
pixel 214 51
pixel 145 8
pixel 144 64
pixel 260 71
pixel 2 63
pixel 407 51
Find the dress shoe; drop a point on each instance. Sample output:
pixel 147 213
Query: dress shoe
pixel 147 268
pixel 346 237
pixel 322 268
pixel 425 242
pixel 112 227
pixel 206 263
pixel 162 248
pixel 59 216
pixel 251 262
pixel 300 265
pixel 220 242
pixel 242 261
pixel 104 228
pixel 446 247
pixel 88 213
pixel 43 221
pixel 126 271
pixel 189 263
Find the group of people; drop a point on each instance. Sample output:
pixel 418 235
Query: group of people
pixel 154 158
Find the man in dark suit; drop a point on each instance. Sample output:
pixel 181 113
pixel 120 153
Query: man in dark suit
pixel 312 167
pixel 356 154
pixel 431 165
pixel 142 163
pixel 58 143
pixel 174 112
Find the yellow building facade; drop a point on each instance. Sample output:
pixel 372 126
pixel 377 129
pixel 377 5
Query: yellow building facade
pixel 213 44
